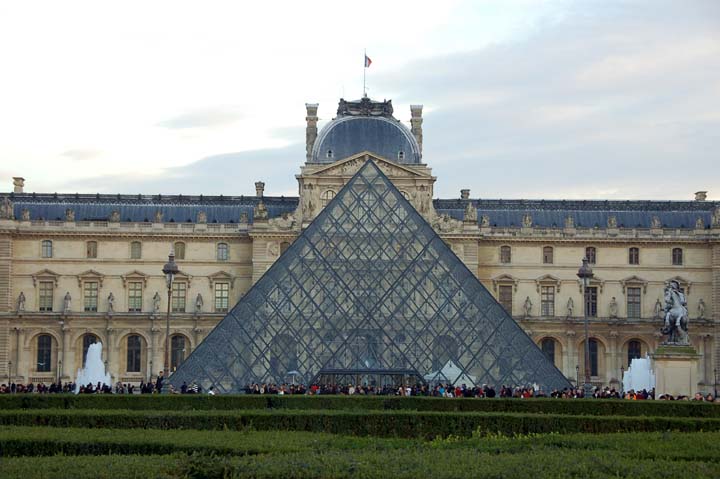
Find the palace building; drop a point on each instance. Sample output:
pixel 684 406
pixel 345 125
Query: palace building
pixel 78 268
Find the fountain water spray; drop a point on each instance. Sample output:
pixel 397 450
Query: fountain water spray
pixel 94 370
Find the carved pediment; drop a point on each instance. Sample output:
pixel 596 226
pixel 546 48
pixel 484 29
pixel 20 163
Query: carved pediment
pixel 90 275
pixel 183 276
pixel 221 277
pixel 134 276
pixel 547 280
pixel 634 281
pixel 350 166
pixel 505 279
pixel 45 275
pixel 684 283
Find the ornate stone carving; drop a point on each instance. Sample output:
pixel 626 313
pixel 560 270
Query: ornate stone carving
pixel 613 308
pixel 198 304
pixel 715 221
pixel 527 307
pixel 699 223
pixel 309 200
pixel 658 309
pixel 21 303
pixel 612 222
pixel 445 223
pixel 25 214
pixel 423 199
pixel 470 213
pixel 158 217
pixel 283 222
pixel 202 217
pixel 114 216
pixel 243 218
pixel 701 309
pixel 69 215
pixel 273 249
pixel 485 221
pixel 570 308
pixel 67 303
pixel 6 209
pixel 527 220
pixel 260 212
pixel 156 303
pixel 655 223
pixel 569 222
pixel 365 107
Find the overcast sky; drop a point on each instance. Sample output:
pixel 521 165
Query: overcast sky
pixel 523 98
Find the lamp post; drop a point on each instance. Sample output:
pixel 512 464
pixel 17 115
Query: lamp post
pixel 10 372
pixel 585 274
pixel 169 270
pixel 577 376
pixel 622 379
pixel 715 382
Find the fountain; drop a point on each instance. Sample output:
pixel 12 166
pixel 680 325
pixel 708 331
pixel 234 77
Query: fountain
pixel 639 375
pixel 94 370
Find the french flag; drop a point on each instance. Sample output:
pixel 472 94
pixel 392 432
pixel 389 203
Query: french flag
pixel 368 62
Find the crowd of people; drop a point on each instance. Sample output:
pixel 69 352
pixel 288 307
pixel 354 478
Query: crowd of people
pixel 439 390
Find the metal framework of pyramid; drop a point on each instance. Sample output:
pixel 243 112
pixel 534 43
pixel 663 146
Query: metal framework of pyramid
pixel 368 293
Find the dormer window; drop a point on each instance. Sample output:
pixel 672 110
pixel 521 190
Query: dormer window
pixel 401 155
pixel 329 154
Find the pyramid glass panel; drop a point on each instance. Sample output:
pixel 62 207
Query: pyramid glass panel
pixel 368 292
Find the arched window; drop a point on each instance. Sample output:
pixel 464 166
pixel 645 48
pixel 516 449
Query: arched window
pixel 634 351
pixel 135 250
pixel 593 356
pixel 88 339
pixel 634 255
pixel 326 197
pixel 179 248
pixel 44 353
pixel 591 254
pixel 505 254
pixel 677 256
pixel 548 348
pixel 134 353
pixel 223 252
pixel 548 255
pixel 91 249
pixel 177 351
pixel 47 249
pixel 401 155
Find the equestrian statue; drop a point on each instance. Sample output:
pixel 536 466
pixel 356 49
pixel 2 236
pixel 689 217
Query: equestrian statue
pixel 676 316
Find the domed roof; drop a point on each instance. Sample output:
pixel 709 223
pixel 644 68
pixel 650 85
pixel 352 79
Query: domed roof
pixel 365 125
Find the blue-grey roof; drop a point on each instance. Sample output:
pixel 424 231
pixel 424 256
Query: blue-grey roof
pixel 142 208
pixel 349 135
pixel 591 213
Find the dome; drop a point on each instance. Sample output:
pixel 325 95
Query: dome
pixel 365 126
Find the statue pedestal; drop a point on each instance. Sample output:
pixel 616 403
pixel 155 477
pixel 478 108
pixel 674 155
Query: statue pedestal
pixel 676 370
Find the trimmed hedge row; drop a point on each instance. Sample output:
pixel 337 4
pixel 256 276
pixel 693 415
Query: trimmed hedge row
pixel 362 423
pixel 369 403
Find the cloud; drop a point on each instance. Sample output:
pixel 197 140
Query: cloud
pixel 82 154
pixel 209 117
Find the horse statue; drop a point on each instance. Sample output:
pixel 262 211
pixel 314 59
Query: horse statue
pixel 676 315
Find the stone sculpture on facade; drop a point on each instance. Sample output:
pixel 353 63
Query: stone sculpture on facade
pixel 613 308
pixel 699 223
pixel 69 215
pixel 527 307
pixel 198 303
pixel 527 221
pixel 202 217
pixel 570 308
pixel 158 217
pixel 244 218
pixel 676 316
pixel 612 222
pixel 658 309
pixel 569 222
pixel 470 213
pixel 701 309
pixel 156 303
pixel 6 209
pixel 260 212
pixel 283 222
pixel 114 216
pixel 111 304
pixel 655 223
pixel 485 221
pixel 446 223
pixel 67 303
pixel 21 303
pixel 715 221
pixel 25 214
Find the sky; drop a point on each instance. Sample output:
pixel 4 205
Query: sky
pixel 588 99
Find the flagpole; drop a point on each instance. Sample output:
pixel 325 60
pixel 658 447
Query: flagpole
pixel 364 69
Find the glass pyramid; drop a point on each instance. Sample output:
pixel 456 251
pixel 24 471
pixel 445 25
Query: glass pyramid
pixel 368 293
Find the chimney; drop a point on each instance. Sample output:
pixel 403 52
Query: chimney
pixel 259 189
pixel 18 184
pixel 416 124
pixel 700 195
pixel 464 194
pixel 311 129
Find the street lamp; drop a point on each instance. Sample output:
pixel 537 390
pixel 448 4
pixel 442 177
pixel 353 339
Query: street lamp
pixel 715 382
pixel 622 378
pixel 169 270
pixel 585 274
pixel 577 376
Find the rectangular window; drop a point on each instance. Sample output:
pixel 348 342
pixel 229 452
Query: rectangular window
pixel 591 301
pixel 47 250
pixel 505 297
pixel 633 302
pixel 90 296
pixel 547 294
pixel 179 292
pixel 91 249
pixel 46 295
pixel 634 256
pixel 135 250
pixel 135 296
pixel 222 294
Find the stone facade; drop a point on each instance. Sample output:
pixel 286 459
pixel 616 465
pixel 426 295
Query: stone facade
pixel 84 248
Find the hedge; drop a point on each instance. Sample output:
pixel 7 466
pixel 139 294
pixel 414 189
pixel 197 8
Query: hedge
pixel 369 403
pixel 361 423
